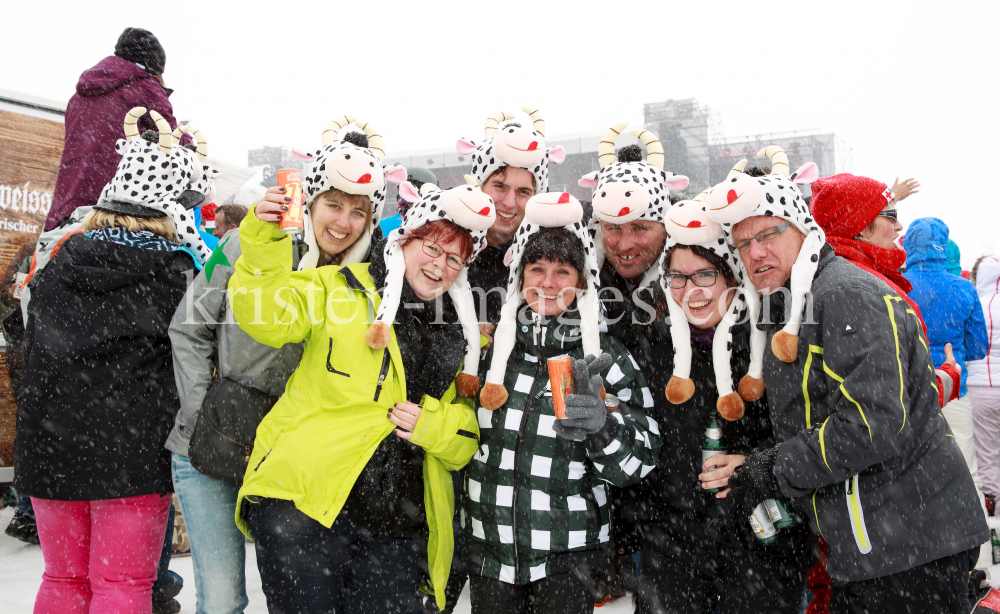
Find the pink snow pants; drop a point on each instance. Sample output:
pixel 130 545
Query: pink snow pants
pixel 100 556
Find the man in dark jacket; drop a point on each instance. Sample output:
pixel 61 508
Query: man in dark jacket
pixel 132 77
pixel 864 448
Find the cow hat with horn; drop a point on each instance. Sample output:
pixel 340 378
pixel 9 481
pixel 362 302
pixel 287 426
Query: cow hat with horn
pixel 688 224
pixel 511 144
pixel 196 187
pixel 467 207
pixel 144 181
pixel 352 165
pixel 627 189
pixel 546 210
pixel 741 196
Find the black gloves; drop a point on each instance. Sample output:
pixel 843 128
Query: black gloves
pixel 586 413
pixel 754 480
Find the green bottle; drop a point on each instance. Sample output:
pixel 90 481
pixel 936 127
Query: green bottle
pixel 780 515
pixel 713 444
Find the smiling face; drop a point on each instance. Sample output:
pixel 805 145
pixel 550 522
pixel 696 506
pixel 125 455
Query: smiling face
pixel 354 170
pixel 634 246
pixel 703 307
pixel 338 220
pixel 769 265
pixel 430 276
pixel 510 190
pixel 550 286
pixel 519 146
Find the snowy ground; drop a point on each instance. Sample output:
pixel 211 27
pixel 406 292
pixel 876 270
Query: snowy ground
pixel 21 569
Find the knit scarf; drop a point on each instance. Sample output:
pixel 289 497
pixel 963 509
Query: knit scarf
pixel 885 262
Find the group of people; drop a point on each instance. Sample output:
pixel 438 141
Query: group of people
pixel 376 412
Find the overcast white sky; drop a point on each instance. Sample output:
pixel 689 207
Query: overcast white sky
pixel 909 86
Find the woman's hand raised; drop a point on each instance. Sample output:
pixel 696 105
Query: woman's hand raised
pixel 274 203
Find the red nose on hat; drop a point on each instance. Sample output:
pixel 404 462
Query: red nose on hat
pixel 563 198
pixel 624 211
pixel 366 178
pixel 484 211
pixel 694 224
pixel 533 146
pixel 731 196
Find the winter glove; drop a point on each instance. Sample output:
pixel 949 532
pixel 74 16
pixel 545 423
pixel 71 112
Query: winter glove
pixel 754 481
pixel 586 413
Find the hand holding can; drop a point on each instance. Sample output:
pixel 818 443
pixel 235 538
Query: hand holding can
pixel 291 221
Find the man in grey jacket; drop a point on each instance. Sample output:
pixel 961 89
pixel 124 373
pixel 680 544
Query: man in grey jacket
pixel 865 452
pixel 208 345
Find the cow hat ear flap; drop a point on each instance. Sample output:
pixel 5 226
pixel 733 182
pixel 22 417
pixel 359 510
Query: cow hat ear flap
pixel 681 387
pixel 467 383
pixel 785 343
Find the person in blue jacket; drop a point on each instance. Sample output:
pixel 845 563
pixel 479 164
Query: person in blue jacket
pixel 952 312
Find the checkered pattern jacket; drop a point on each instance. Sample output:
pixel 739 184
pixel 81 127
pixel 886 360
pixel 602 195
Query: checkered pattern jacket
pixel 536 504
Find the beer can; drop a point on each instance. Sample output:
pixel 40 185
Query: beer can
pixel 763 528
pixel 291 221
pixel 561 379
pixel 611 402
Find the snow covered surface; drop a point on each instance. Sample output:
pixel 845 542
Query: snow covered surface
pixel 21 569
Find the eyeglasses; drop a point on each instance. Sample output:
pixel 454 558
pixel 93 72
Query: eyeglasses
pixel 702 279
pixel 763 237
pixel 434 250
pixel 889 213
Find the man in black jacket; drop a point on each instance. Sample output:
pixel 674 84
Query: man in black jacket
pixel 864 448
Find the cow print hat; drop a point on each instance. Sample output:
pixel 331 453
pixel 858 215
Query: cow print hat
pixel 546 210
pixel 687 223
pixel 627 189
pixel 467 207
pixel 741 196
pixel 510 144
pixel 352 165
pixel 148 181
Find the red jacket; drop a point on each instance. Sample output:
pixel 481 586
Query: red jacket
pixel 95 117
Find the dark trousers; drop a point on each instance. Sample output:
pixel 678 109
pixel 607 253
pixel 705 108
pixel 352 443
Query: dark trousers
pixel 938 587
pixel 305 567
pixel 689 566
pixel 566 593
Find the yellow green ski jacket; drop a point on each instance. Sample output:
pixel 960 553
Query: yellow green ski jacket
pixel 314 443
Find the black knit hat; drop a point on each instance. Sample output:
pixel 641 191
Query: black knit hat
pixel 141 47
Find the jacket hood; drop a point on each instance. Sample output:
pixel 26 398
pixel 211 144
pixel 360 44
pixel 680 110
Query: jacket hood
pixel 110 74
pixel 926 245
pixel 99 267
pixel 987 276
pixel 954 258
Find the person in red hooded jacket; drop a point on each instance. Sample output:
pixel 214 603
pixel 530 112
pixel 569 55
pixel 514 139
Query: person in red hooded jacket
pixel 132 77
pixel 858 215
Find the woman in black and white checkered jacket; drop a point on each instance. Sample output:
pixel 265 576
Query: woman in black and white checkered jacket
pixel 535 513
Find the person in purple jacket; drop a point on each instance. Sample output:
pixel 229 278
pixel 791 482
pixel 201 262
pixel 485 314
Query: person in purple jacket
pixel 132 77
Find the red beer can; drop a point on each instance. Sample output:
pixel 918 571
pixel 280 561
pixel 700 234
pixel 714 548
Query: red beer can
pixel 291 221
pixel 561 379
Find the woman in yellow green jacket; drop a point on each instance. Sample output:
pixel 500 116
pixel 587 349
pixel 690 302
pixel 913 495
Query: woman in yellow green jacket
pixel 348 481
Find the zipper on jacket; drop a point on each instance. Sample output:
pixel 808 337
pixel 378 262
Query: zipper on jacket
pixel 532 396
pixel 262 460
pixel 382 373
pixel 857 515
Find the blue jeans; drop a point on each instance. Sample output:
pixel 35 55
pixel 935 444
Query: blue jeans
pixel 218 549
pixel 305 567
